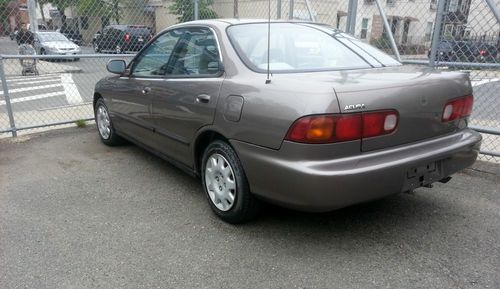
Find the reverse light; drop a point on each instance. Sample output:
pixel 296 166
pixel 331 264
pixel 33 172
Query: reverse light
pixel 342 127
pixel 458 108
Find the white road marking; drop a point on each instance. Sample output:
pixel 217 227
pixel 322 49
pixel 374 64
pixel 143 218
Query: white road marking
pixel 484 81
pixel 26 79
pixel 32 77
pixel 38 81
pixel 32 88
pixel 34 97
pixel 70 90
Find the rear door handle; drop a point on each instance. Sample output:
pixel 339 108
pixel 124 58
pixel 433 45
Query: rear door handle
pixel 203 98
pixel 146 90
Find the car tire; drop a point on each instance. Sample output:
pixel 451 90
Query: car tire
pixel 97 49
pixel 104 124
pixel 226 186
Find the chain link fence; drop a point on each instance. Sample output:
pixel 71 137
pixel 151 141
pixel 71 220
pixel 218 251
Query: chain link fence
pixel 74 39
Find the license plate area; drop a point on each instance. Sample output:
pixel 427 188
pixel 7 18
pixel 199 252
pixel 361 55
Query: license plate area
pixel 422 175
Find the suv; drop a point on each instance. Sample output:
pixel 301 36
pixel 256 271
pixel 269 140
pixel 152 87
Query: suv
pixel 465 51
pixel 122 38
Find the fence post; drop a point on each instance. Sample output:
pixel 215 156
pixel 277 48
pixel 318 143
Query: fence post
pixel 352 11
pixel 196 9
pixel 388 30
pixel 32 15
pixel 436 33
pixel 278 9
pixel 290 10
pixel 494 9
pixel 6 95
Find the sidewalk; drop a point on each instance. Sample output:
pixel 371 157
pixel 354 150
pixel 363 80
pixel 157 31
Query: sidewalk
pixel 13 67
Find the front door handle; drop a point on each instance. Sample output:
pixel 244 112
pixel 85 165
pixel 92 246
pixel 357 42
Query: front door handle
pixel 146 90
pixel 203 98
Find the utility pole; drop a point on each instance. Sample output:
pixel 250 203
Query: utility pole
pixel 32 15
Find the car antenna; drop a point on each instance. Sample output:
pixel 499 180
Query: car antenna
pixel 268 80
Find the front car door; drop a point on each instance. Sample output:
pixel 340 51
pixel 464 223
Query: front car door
pixel 188 97
pixel 133 94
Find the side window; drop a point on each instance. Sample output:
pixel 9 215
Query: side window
pixel 154 60
pixel 196 55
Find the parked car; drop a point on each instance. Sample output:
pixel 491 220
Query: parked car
pixel 54 43
pixel 338 122
pixel 121 38
pixel 465 51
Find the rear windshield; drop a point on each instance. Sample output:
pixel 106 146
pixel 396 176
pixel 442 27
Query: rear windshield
pixel 138 31
pixel 295 47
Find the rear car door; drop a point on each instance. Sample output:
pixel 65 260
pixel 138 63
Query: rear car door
pixel 134 93
pixel 188 98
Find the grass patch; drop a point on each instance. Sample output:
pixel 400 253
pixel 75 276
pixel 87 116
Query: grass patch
pixel 81 123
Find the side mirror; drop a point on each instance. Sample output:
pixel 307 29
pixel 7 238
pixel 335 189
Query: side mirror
pixel 116 66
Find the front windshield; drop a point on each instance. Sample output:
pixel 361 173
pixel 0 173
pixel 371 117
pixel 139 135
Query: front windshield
pixel 295 47
pixel 48 37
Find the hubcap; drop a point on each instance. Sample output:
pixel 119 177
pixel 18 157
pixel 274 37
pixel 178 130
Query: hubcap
pixel 118 49
pixel 220 182
pixel 103 122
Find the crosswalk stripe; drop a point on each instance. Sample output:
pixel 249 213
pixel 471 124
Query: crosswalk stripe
pixel 31 88
pixel 38 81
pixel 21 80
pixel 28 77
pixel 70 90
pixel 34 97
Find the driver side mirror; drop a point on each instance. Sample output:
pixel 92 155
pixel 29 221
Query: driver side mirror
pixel 116 66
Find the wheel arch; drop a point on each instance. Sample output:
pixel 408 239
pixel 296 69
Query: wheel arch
pixel 204 137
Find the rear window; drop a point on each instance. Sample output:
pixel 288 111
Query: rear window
pixel 293 48
pixel 138 30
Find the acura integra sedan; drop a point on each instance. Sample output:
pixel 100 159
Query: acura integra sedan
pixel 337 122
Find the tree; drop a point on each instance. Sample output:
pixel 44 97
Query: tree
pixel 184 9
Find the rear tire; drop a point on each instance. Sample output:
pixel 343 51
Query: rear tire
pixel 105 125
pixel 226 185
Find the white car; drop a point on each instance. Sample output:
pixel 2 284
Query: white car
pixel 55 43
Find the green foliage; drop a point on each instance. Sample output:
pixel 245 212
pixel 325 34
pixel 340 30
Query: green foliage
pixel 81 123
pixel 184 9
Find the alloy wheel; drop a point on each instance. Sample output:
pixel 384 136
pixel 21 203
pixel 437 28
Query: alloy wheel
pixel 103 122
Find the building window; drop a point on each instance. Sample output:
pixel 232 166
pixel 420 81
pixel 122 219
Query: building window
pixel 390 2
pixel 453 6
pixel 364 28
pixel 428 31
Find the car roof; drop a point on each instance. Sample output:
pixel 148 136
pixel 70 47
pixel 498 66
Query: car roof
pixel 222 23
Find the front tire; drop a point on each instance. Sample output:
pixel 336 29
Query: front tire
pixel 104 125
pixel 226 185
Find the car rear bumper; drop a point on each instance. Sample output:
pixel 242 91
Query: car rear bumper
pixel 335 183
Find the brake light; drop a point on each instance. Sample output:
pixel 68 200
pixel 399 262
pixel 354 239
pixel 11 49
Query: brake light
pixel 482 52
pixel 342 127
pixel 126 37
pixel 458 108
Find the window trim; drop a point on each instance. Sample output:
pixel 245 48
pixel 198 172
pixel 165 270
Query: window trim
pixel 132 63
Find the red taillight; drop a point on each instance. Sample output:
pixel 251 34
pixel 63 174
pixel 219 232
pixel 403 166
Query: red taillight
pixel 458 108
pixel 482 52
pixel 126 37
pixel 343 127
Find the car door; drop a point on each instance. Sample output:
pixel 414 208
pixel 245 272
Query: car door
pixel 188 96
pixel 133 94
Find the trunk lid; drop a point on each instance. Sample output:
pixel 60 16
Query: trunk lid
pixel 418 94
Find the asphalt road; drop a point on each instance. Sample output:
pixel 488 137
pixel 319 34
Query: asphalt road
pixel 77 214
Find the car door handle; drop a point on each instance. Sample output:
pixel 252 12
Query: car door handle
pixel 146 90
pixel 203 98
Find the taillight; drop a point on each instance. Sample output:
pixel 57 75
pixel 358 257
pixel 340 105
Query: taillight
pixel 482 52
pixel 126 37
pixel 458 108
pixel 342 127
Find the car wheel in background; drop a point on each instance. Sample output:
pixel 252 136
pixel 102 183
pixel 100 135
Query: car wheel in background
pixel 226 185
pixel 104 125
pixel 97 49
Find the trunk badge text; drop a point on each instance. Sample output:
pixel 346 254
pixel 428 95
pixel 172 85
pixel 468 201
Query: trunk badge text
pixel 355 106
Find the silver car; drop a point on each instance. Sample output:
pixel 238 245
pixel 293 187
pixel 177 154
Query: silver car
pixel 337 122
pixel 55 43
